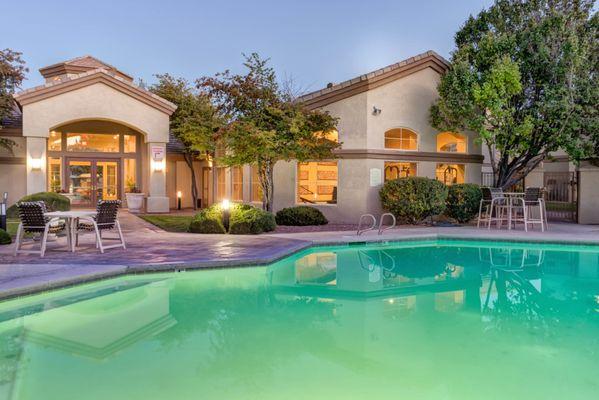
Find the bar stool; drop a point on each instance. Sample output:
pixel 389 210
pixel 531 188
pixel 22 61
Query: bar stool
pixel 499 209
pixel 524 209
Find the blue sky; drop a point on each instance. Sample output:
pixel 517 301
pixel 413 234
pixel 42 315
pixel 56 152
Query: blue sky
pixel 314 42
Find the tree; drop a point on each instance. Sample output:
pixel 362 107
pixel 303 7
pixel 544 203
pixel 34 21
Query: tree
pixel 524 77
pixel 194 122
pixel 12 74
pixel 264 123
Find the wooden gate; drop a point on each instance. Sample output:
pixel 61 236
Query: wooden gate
pixel 561 195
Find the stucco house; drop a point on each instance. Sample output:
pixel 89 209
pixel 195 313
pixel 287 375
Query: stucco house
pixel 91 133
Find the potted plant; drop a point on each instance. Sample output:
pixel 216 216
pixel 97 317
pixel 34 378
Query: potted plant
pixel 135 199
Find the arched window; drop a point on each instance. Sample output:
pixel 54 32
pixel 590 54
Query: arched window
pixel 450 142
pixel 401 139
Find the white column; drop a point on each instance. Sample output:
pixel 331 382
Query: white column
pixel 158 201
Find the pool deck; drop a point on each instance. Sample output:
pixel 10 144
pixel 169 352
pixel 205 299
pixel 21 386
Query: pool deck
pixel 150 249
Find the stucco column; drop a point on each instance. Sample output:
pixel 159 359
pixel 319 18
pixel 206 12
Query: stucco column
pixel 158 201
pixel 588 193
pixel 36 164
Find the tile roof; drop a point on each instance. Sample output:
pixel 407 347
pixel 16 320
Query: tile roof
pixel 377 74
pixel 78 65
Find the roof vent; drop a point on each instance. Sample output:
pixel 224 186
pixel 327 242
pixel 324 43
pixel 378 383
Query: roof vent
pixel 329 85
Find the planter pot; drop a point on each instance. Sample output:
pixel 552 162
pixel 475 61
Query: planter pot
pixel 69 196
pixel 135 202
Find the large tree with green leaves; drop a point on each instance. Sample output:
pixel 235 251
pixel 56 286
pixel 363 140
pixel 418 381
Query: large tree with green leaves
pixel 12 74
pixel 524 77
pixel 194 122
pixel 264 122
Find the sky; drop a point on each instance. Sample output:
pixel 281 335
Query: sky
pixel 312 42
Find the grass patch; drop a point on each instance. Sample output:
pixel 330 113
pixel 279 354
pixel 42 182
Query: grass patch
pixel 170 223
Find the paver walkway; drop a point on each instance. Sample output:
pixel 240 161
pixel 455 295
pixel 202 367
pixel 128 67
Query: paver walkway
pixel 151 249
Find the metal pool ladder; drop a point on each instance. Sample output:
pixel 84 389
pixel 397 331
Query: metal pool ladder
pixel 372 226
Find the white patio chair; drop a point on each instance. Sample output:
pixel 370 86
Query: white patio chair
pixel 104 220
pixel 31 214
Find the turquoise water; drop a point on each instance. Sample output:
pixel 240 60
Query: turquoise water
pixel 418 320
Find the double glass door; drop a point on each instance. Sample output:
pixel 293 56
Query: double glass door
pixel 91 180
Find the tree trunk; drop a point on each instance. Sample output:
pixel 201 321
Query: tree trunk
pixel 265 173
pixel 194 188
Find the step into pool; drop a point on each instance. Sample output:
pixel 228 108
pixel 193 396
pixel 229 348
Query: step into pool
pixel 441 319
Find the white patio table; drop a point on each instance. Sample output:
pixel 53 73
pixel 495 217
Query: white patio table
pixel 72 218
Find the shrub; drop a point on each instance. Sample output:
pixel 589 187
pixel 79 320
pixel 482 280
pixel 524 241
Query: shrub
pixel 301 216
pixel 463 201
pixel 208 220
pixel 413 199
pixel 4 237
pixel 250 220
pixel 54 202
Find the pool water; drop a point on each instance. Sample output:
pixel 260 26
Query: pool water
pixel 411 320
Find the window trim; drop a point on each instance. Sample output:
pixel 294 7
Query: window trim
pixel 402 127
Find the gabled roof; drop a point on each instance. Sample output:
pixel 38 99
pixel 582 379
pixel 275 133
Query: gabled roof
pixel 79 65
pixel 93 76
pixel 371 80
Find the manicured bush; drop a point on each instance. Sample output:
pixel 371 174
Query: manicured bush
pixel 300 216
pixel 250 220
pixel 54 202
pixel 4 237
pixel 463 201
pixel 208 220
pixel 413 199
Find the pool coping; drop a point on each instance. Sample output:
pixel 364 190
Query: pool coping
pixel 113 271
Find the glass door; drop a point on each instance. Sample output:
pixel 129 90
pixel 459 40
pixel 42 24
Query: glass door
pixel 92 180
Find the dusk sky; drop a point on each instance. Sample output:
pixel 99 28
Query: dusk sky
pixel 314 42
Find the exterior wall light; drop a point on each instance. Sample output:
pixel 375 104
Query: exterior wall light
pixel 376 111
pixel 36 164
pixel 179 195
pixel 158 166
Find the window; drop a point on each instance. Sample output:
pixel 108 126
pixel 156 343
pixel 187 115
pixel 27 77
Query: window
pixel 450 173
pixel 237 183
pixel 395 170
pixel 317 182
pixel 130 174
pixel 332 135
pixel 54 174
pixel 401 139
pixel 451 142
pixel 87 142
pixel 256 187
pixel 221 187
pixel 55 141
pixel 130 142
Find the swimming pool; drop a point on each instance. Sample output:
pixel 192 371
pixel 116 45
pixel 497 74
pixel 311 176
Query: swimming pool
pixel 424 319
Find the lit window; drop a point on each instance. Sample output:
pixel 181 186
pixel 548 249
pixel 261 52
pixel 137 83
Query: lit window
pixel 221 190
pixel 55 141
pixel 450 174
pixel 401 139
pixel 395 170
pixel 256 187
pixel 130 175
pixel 332 135
pixel 54 174
pixel 130 142
pixel 317 182
pixel 86 142
pixel 451 142
pixel 237 183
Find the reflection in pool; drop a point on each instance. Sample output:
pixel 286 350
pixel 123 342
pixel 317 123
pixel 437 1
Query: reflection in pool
pixel 426 320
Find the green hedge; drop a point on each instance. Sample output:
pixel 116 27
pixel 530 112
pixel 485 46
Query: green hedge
pixel 4 237
pixel 463 201
pixel 251 221
pixel 413 199
pixel 300 216
pixel 54 202
pixel 244 219
pixel 208 220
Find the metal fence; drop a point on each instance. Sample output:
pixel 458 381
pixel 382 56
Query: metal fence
pixel 488 180
pixel 561 195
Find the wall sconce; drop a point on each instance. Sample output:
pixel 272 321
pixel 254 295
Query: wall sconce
pixel 36 164
pixel 179 195
pixel 158 166
pixel 376 111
